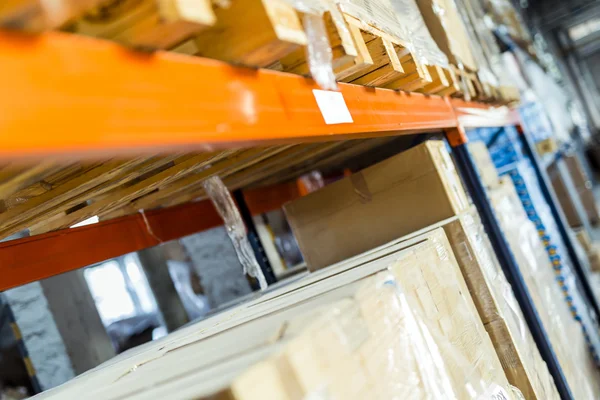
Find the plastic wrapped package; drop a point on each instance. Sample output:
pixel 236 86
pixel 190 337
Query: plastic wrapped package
pixel 485 50
pixel 565 334
pixel 448 30
pixel 538 212
pixel 236 230
pixel 375 344
pixel 432 276
pixel 402 20
pixel 498 308
pixel 345 332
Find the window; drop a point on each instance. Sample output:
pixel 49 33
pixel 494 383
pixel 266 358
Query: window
pixel 120 289
pixel 108 288
pixel 584 29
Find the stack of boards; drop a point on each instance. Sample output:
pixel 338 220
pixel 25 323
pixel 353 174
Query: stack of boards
pixel 426 316
pixel 389 50
pixel 397 321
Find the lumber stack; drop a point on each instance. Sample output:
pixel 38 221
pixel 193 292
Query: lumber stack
pixel 396 321
pixel 565 333
pixel 376 43
pixel 548 292
pixel 55 194
pixel 499 309
pixel 337 222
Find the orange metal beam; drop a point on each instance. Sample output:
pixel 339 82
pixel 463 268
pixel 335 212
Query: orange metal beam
pixel 66 94
pixel 41 256
pixel 38 257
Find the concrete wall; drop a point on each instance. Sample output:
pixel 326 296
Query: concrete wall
pixel 216 263
pixel 41 336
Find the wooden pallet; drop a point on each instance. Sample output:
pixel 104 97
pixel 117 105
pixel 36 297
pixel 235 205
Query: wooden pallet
pixel 146 24
pixel 55 195
pixel 371 57
pixel 254 33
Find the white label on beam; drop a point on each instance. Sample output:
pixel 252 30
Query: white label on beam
pixel 333 107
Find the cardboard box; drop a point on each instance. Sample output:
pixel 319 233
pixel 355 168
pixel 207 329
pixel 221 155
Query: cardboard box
pixel 584 186
pixel 448 31
pixel 592 249
pixel 594 258
pixel 563 197
pixel 386 201
pixel 546 146
pixel 498 308
pixel 584 240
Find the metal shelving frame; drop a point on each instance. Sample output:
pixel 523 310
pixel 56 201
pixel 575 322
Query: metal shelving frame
pixel 75 97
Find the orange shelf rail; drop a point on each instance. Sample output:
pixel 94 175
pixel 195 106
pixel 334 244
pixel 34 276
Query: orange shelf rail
pixel 70 95
pixel 41 256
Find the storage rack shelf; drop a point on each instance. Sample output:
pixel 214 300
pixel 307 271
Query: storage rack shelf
pixel 125 102
pixel 115 101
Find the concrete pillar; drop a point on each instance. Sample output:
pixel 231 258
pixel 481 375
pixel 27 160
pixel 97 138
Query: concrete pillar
pixel 77 319
pixel 169 304
pixel 60 325
pixel 47 351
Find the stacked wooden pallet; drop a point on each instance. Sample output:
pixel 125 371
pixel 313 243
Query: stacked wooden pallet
pixel 263 33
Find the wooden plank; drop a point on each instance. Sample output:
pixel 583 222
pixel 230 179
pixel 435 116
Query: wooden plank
pixel 254 173
pixel 498 308
pixel 172 187
pixel 253 32
pixel 41 211
pixel 10 184
pixel 343 48
pixel 20 217
pixel 387 65
pixel 125 194
pixel 328 158
pixel 38 15
pixel 149 24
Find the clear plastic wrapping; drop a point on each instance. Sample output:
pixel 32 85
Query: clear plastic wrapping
pixel 459 46
pixel 565 333
pixel 318 51
pixel 374 344
pixel 320 57
pixel 402 20
pixel 499 309
pixel 484 47
pixel 236 230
